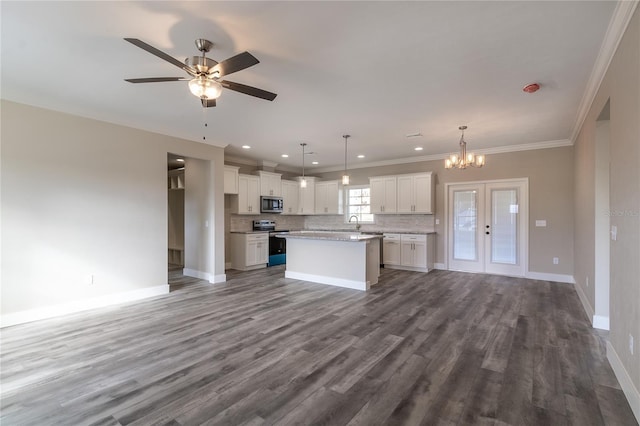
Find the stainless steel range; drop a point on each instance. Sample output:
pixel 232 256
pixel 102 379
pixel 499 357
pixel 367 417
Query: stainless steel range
pixel 277 246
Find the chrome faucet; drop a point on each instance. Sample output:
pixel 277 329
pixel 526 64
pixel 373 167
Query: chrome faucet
pixel 357 223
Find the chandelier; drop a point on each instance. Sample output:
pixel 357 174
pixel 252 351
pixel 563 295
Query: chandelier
pixel 463 160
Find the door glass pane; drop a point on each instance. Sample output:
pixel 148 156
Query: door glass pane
pixel 465 222
pixel 504 224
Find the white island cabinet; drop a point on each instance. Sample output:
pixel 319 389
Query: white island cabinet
pixel 412 252
pixel 335 258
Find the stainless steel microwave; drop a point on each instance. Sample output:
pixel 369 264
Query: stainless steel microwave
pixel 271 204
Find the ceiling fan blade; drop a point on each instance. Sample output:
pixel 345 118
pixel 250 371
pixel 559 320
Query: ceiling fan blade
pixel 248 90
pixel 206 103
pixel 234 64
pixel 160 54
pixel 154 79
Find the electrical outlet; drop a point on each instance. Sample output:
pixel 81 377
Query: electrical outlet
pixel 437 221
pixel 587 280
pixel 556 260
pixel 631 343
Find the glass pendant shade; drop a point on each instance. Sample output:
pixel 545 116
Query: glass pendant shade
pixel 206 88
pixel 303 183
pixel 345 179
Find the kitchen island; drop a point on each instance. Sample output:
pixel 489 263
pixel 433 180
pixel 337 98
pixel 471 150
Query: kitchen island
pixel 342 259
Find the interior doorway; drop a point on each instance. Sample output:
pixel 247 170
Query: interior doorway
pixel 175 212
pixel 602 220
pixel 487 225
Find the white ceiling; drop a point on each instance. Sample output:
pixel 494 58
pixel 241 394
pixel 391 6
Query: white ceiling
pixel 375 70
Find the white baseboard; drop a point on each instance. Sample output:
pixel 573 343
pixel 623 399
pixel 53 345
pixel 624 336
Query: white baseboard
pixel 213 279
pixel 193 273
pixel 220 278
pixel 227 265
pixel 544 276
pixel 601 322
pixel 81 305
pixel 585 303
pixel 439 266
pixel 338 282
pixel 407 268
pixel 630 391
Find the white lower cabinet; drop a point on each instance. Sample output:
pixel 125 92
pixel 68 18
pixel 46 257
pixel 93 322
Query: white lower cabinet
pixel 413 252
pixel 391 249
pixel 249 251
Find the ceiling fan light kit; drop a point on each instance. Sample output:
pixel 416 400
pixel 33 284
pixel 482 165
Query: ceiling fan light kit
pixel 464 159
pixel 205 73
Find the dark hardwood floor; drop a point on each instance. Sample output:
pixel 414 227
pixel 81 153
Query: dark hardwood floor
pixel 443 348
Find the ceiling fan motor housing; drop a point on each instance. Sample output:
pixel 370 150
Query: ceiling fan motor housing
pixel 200 63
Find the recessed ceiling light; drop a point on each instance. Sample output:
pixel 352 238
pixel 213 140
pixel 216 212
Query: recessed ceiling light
pixel 418 148
pixel 361 156
pixel 314 162
pixel 285 155
pixel 180 160
pixel 246 147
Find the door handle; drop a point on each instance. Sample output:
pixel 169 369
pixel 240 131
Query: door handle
pixel 487 232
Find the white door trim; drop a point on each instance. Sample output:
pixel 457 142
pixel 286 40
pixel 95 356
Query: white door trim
pixel 524 217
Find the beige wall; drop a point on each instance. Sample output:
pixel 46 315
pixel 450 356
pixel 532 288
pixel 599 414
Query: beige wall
pixel 550 173
pixel 82 197
pixel 621 86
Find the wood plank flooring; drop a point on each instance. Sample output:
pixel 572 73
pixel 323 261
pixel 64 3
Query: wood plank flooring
pixel 443 348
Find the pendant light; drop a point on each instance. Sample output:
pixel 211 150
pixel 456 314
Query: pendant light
pixel 463 160
pixel 345 176
pixel 303 181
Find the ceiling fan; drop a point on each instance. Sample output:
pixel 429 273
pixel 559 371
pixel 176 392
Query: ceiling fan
pixel 205 73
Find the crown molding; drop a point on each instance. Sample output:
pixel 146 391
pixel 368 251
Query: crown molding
pixel 617 26
pixel 436 157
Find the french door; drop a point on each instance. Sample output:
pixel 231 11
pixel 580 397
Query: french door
pixel 487 227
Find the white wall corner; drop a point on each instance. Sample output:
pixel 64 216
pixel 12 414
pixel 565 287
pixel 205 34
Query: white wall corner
pixel 628 388
pixel 30 315
pixel 193 273
pixel 544 276
pixel 220 278
pixel 601 322
pixel 227 265
pixel 439 266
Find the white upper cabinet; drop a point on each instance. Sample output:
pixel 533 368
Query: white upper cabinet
pixel 328 198
pixel 416 193
pixel 230 180
pixel 307 197
pixel 290 194
pixel 270 183
pixel 383 194
pixel 248 194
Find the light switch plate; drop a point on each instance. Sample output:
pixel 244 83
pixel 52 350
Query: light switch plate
pixel 541 223
pixel 614 232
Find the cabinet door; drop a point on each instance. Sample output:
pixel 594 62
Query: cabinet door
pixel 405 194
pixel 422 194
pixel 252 253
pixel 306 199
pixel 253 195
pixel 378 195
pixel 420 254
pixel 333 198
pixel 390 194
pixel 230 180
pixel 321 198
pixel 391 253
pixel 262 252
pixel 243 195
pixel 290 197
pixel 406 253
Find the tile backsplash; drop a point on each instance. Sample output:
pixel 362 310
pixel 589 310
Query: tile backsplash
pixel 409 222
